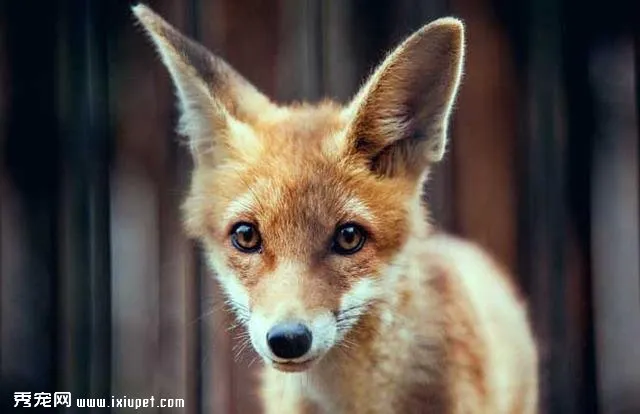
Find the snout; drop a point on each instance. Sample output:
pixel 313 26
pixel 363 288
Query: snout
pixel 292 343
pixel 289 340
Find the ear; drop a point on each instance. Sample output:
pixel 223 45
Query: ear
pixel 214 100
pixel 399 119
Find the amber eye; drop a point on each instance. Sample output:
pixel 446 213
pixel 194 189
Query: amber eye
pixel 348 239
pixel 246 238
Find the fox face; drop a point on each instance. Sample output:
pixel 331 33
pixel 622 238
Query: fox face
pixel 303 210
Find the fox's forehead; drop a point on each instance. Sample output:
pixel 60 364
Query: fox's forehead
pixel 299 131
pixel 315 192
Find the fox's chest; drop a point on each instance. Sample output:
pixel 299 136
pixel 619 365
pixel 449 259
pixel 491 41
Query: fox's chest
pixel 377 398
pixel 341 390
pixel 385 385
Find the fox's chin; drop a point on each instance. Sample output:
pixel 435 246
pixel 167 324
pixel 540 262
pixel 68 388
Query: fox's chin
pixel 293 366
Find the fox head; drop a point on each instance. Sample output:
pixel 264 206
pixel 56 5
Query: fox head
pixel 304 210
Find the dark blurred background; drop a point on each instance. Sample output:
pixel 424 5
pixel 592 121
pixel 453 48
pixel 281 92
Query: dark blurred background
pixel 101 294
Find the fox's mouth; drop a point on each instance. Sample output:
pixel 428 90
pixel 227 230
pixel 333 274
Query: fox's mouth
pixel 293 366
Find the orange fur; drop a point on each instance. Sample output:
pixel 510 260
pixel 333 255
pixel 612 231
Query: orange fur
pixel 412 322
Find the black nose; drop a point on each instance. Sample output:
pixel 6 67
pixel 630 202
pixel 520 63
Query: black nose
pixel 289 340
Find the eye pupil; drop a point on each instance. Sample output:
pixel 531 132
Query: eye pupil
pixel 349 235
pixel 246 232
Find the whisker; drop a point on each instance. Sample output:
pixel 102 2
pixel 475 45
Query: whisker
pixel 239 348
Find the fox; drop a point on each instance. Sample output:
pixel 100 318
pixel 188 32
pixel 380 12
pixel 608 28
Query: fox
pixel 312 217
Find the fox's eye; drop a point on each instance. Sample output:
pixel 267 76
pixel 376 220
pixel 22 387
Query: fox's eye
pixel 246 238
pixel 348 239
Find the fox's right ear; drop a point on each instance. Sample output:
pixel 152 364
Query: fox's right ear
pixel 214 99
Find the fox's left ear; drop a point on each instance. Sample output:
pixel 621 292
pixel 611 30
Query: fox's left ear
pixel 399 119
pixel 215 101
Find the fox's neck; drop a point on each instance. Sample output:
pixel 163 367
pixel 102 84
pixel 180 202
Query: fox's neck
pixel 420 220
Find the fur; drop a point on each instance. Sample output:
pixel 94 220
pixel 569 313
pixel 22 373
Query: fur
pixel 415 321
